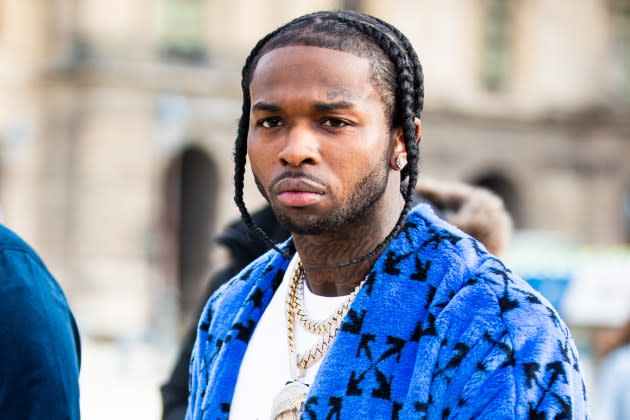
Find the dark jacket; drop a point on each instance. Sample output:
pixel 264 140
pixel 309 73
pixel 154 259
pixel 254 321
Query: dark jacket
pixel 243 248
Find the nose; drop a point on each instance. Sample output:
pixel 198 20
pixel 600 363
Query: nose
pixel 300 147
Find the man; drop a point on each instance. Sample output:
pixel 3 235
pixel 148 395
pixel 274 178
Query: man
pixel 612 399
pixel 371 309
pixel 475 210
pixel 39 341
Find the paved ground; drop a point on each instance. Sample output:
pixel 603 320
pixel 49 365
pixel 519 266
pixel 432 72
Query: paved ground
pixel 120 380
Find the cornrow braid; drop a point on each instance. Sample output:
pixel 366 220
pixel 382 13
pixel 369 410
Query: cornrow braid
pixel 396 72
pixel 240 145
pixel 405 93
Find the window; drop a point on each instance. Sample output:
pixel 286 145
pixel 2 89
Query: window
pixel 620 51
pixel 497 41
pixel 182 30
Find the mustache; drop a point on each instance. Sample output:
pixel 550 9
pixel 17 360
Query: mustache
pixel 292 174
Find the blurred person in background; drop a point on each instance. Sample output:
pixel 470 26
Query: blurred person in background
pixel 374 308
pixel 612 400
pixel 477 211
pixel 40 350
pixel 242 248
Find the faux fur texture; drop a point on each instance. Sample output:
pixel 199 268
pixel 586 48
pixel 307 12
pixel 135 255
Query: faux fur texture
pixel 441 329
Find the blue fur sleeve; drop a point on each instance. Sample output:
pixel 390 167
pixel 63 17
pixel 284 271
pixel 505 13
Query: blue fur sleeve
pixel 503 353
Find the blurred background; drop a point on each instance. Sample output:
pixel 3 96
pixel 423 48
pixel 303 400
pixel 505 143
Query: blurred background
pixel 117 121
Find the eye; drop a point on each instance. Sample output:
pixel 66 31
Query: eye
pixel 334 123
pixel 270 122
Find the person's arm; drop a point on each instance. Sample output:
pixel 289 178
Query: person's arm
pixel 39 343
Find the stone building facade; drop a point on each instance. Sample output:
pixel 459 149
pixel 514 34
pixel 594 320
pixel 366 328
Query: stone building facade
pixel 117 121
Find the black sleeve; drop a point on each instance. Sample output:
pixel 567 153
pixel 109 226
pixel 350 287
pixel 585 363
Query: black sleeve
pixel 244 248
pixel 175 390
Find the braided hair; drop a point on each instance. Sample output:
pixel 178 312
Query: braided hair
pixel 395 73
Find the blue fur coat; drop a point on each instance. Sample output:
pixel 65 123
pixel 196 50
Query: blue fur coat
pixel 441 329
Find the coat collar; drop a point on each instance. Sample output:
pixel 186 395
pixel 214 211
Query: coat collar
pixel 398 280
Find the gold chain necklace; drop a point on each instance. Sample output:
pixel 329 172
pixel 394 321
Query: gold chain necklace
pixel 289 403
pixel 325 325
pixel 327 328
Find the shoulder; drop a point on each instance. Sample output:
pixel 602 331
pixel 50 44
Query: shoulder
pixel 10 241
pixel 482 329
pixel 527 316
pixel 33 306
pixel 31 297
pixel 23 270
pixel 453 255
pixel 256 283
pixel 469 273
pixel 233 309
pixel 486 287
pixel 37 320
pixel 249 277
pixel 20 266
pixel 528 336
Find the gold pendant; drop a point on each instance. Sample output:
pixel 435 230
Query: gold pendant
pixel 289 403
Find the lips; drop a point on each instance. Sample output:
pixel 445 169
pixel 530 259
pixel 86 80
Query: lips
pixel 297 191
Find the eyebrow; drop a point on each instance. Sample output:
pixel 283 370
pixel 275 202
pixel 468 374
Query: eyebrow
pixel 319 106
pixel 333 106
pixel 264 106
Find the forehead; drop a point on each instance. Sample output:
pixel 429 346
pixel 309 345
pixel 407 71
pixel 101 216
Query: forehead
pixel 298 68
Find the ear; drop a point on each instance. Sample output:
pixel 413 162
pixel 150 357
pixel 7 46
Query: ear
pixel 398 158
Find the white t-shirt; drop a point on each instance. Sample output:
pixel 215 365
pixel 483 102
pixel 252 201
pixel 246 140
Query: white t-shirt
pixel 265 367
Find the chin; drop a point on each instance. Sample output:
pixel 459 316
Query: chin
pixel 310 225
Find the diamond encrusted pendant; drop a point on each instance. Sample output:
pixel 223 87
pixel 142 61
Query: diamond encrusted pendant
pixel 289 403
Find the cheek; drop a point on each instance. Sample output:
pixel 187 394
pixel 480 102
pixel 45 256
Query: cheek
pixel 350 166
pixel 253 152
pixel 260 157
pixel 369 151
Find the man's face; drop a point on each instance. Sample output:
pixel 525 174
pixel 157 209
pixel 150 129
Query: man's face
pixel 318 140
